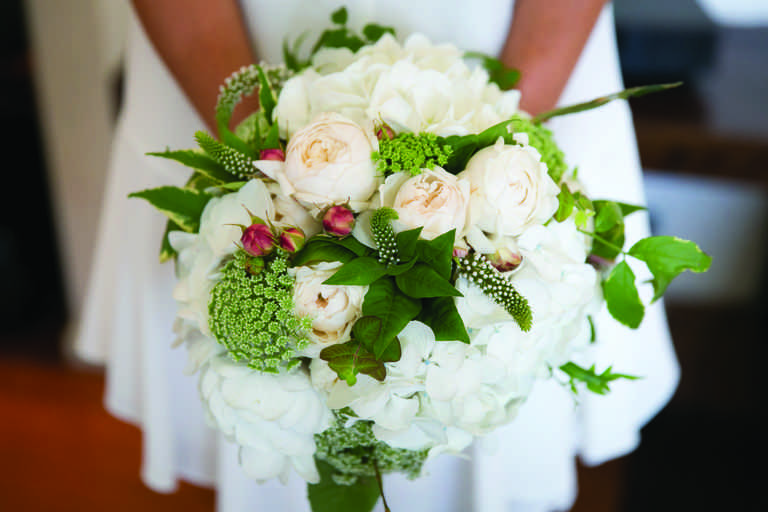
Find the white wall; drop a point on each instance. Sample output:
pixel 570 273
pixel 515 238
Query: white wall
pixel 76 47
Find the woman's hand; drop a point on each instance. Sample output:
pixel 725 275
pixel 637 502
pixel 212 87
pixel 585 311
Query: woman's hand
pixel 545 41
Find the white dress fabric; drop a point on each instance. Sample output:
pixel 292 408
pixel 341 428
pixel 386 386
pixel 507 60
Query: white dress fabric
pixel 528 465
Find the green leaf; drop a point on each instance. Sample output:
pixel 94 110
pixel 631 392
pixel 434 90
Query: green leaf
pixel 608 215
pixel 395 309
pixel 443 318
pixel 200 162
pixel 621 296
pixel 373 31
pixel 592 331
pixel 423 282
pixel 667 257
pixel 338 38
pixel 350 243
pixel 406 243
pixel 361 271
pixel 392 352
pixel 167 252
pixel 349 359
pixel 500 74
pixel 599 102
pixel 566 202
pixel 321 250
pixel 628 209
pixel 181 205
pixel 272 139
pixel 233 187
pixel 328 496
pixel 438 253
pixel 339 16
pixel 396 270
pixel 464 146
pixel 366 330
pixel 267 99
pixel 597 383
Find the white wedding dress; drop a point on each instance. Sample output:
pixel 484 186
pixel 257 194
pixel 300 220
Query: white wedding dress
pixel 528 465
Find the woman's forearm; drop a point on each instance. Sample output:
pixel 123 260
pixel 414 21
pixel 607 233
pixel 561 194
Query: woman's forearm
pixel 545 41
pixel 201 43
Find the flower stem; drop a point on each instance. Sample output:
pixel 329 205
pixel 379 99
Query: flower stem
pixel 381 486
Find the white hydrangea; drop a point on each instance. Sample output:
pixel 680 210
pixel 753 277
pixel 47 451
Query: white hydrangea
pixel 418 86
pixel 272 417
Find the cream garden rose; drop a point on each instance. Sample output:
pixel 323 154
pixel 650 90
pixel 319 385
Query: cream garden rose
pixel 334 309
pixel 328 162
pixel 434 199
pixel 510 189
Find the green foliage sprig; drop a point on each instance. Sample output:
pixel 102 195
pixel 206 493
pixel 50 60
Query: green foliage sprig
pixel 251 313
pixel 340 36
pixel 411 153
pixel 596 382
pixel 413 282
pixel 498 73
pixel 665 256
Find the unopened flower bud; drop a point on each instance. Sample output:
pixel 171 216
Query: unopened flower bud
pixel 254 266
pixel 385 131
pixel 292 239
pixel 338 221
pixel 272 154
pixel 460 252
pixel 258 240
pixel 505 260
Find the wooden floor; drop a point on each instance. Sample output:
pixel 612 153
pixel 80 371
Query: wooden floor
pixel 60 451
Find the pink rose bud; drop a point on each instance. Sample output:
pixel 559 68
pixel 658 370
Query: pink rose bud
pixel 460 252
pixel 272 154
pixel 292 239
pixel 505 260
pixel 258 240
pixel 338 221
pixel 385 131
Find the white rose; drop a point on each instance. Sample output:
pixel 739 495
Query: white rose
pixel 333 309
pixel 435 200
pixel 510 189
pixel 328 162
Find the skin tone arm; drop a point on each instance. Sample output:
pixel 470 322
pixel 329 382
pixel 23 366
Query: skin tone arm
pixel 545 41
pixel 201 45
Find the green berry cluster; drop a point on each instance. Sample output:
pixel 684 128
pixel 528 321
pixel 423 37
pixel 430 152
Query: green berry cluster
pixel 384 235
pixel 251 313
pixel 542 139
pixel 411 153
pixel 352 451
pixel 479 271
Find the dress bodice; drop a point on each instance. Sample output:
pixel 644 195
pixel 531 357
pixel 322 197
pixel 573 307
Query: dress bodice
pixel 480 25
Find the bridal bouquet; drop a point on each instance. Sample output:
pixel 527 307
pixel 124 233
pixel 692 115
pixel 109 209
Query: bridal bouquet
pixel 377 265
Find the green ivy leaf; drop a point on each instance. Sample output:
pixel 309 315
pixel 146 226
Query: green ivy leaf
pixel 328 496
pixel 667 257
pixel 628 209
pixel 464 146
pixel 406 243
pixel 373 32
pixel 396 270
pixel 200 162
pixel 361 271
pixel 621 296
pixel 438 253
pixel 393 352
pixel 181 205
pixel 349 359
pixel 607 215
pixel 321 250
pixel 395 309
pixel 597 383
pixel 339 16
pixel 422 282
pixel 441 315
pixel 338 38
pixel 167 252
pixel 348 242
pixel 566 202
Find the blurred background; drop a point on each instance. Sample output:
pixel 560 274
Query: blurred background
pixel 704 147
